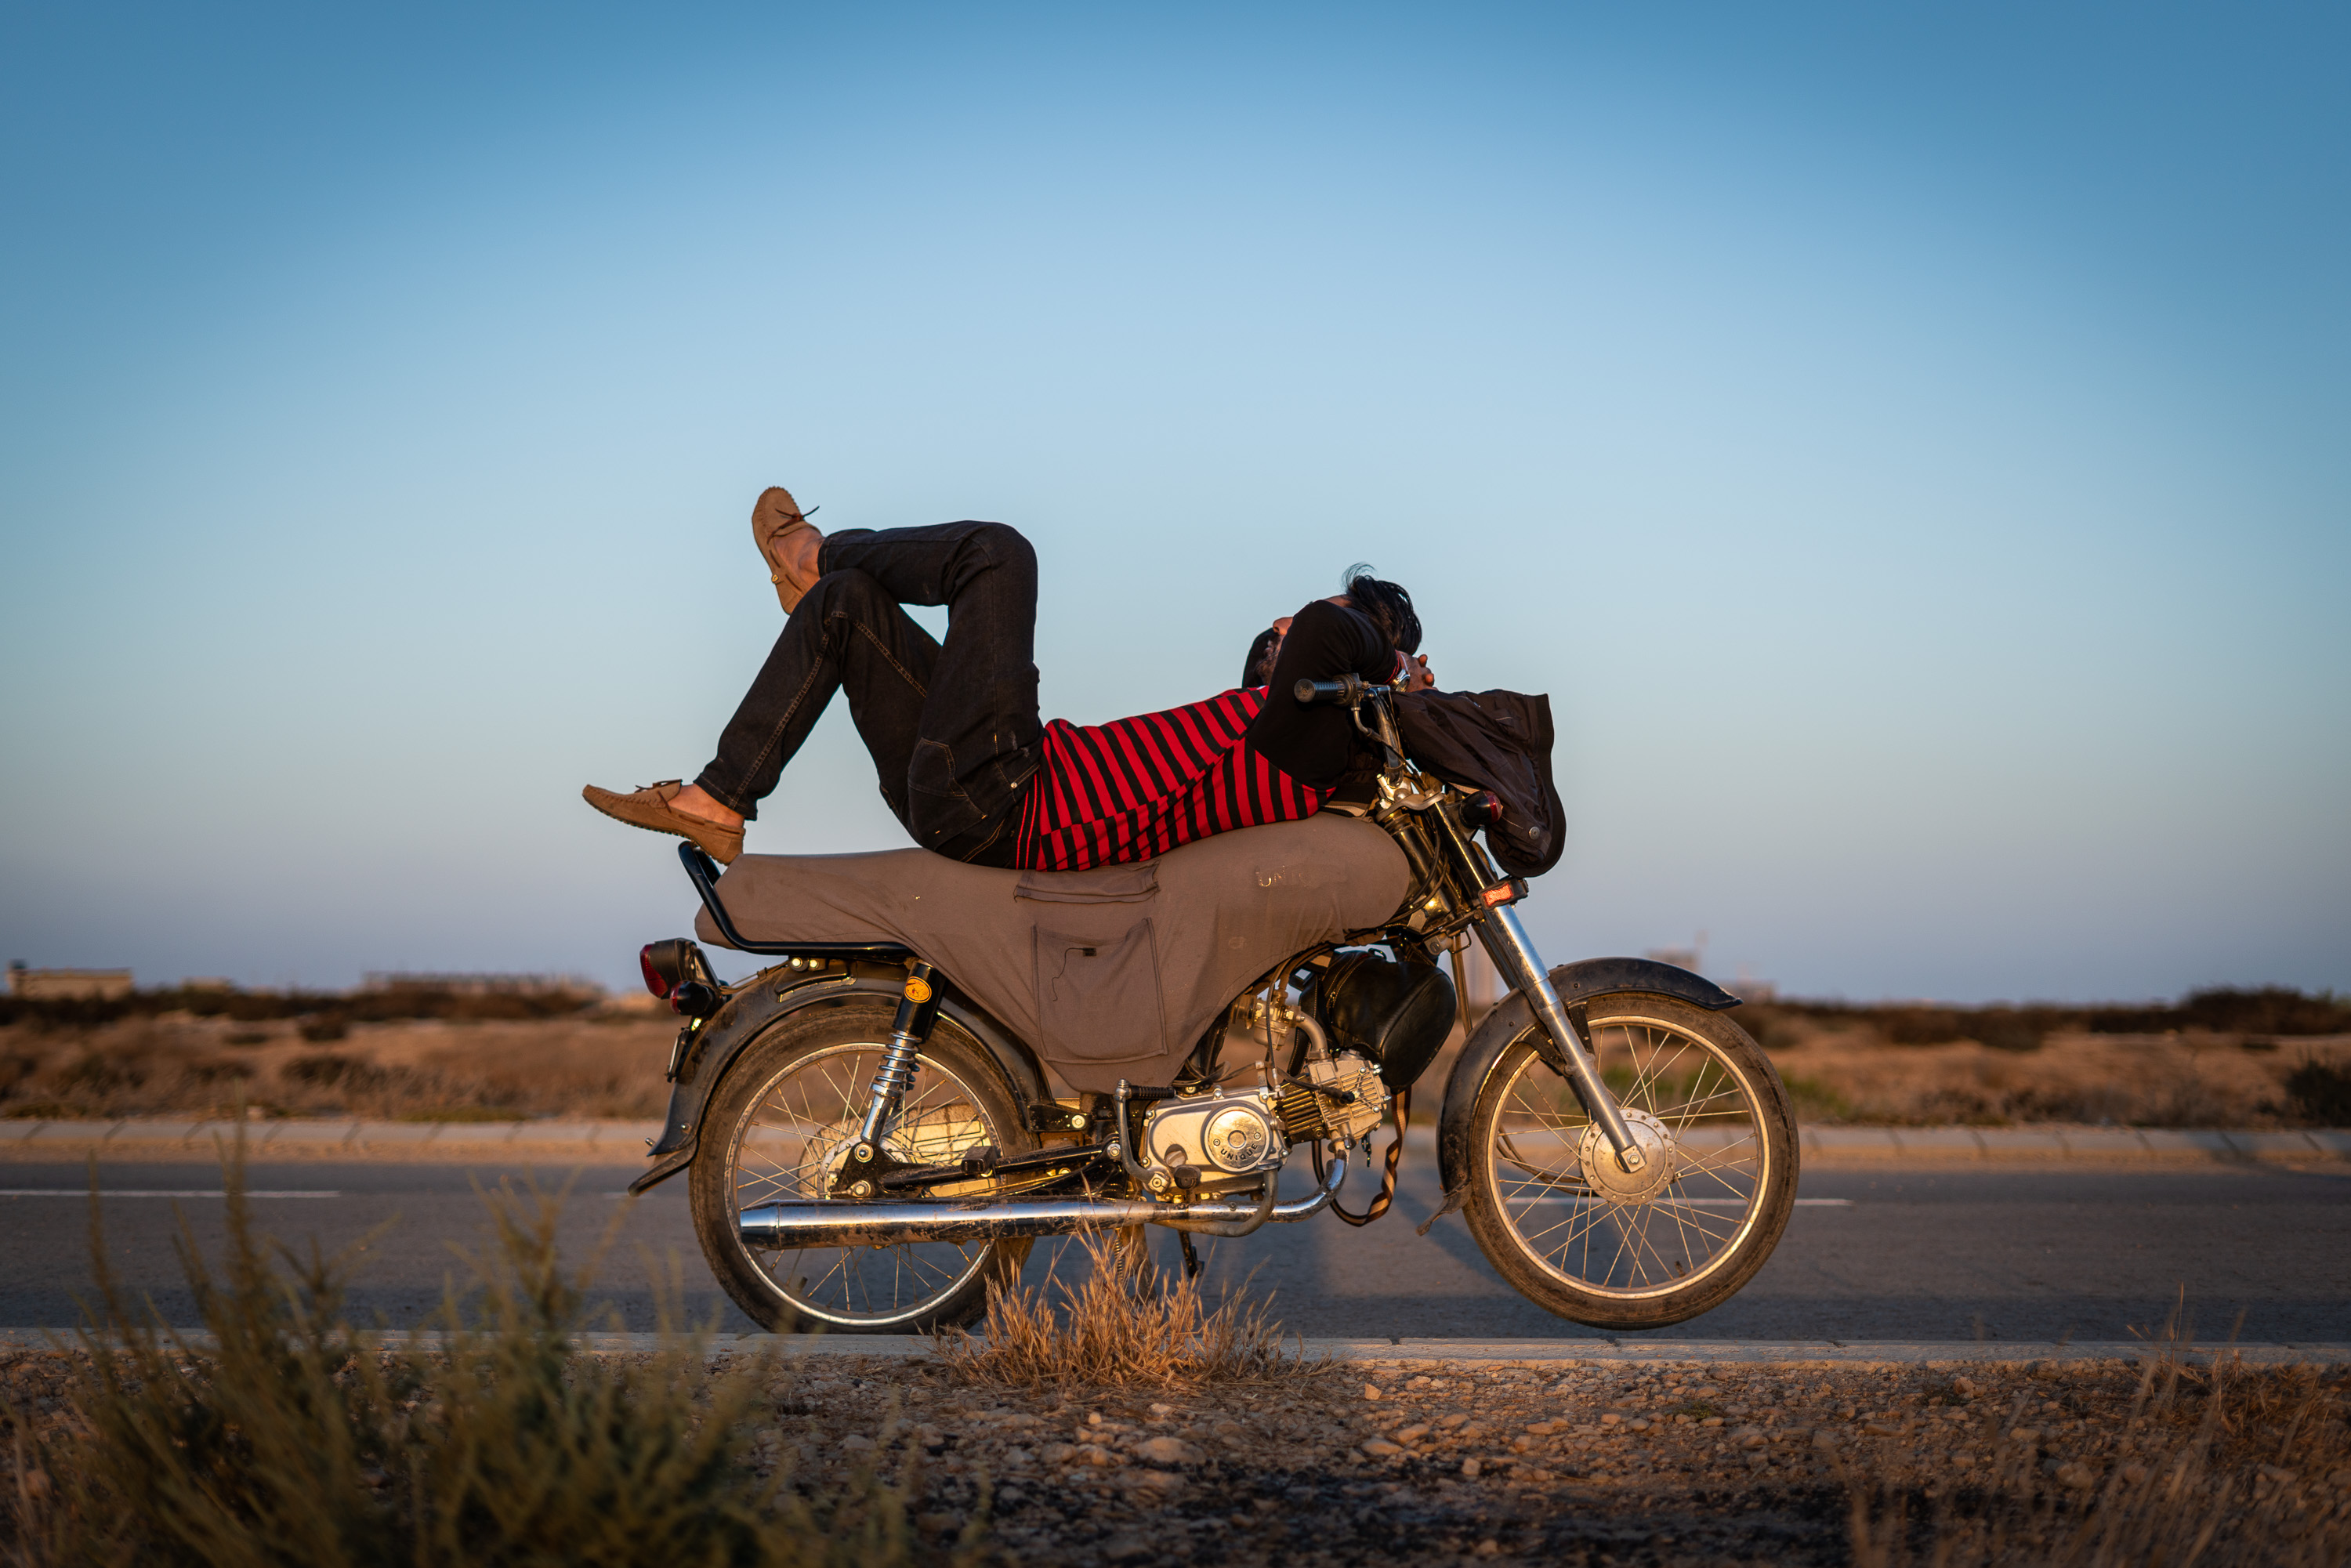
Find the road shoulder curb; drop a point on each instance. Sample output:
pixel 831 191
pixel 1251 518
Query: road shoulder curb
pixel 1537 1355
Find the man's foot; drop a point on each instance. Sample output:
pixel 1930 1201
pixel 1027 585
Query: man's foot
pixel 788 542
pixel 655 808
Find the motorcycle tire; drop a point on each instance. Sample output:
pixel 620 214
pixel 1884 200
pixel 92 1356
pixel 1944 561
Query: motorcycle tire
pixel 1558 1218
pixel 781 1125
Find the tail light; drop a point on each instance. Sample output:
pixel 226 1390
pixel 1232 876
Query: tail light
pixel 677 970
pixel 1482 810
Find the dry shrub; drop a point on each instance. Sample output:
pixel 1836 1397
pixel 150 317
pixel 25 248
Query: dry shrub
pixel 1120 1327
pixel 258 1007
pixel 282 1437
pixel 2217 1466
pixel 2269 1011
pixel 2321 1091
pixel 1816 1099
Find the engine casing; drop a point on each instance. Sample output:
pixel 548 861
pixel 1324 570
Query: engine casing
pixel 1216 1140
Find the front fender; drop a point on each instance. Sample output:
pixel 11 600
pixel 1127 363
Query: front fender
pixel 751 1010
pixel 1577 982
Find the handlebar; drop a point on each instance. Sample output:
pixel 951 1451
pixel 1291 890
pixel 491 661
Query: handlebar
pixel 1347 690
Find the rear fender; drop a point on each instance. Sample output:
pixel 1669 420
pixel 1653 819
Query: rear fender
pixel 768 997
pixel 1582 982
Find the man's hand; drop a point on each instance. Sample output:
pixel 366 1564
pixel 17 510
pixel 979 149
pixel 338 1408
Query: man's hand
pixel 1416 676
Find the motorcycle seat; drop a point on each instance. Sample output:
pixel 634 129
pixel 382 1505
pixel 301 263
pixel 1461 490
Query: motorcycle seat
pixel 1107 974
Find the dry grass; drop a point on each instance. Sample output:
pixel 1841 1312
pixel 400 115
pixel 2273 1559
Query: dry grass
pixel 1425 1459
pixel 2214 1466
pixel 283 1438
pixel 1116 1327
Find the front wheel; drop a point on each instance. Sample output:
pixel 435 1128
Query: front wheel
pixel 1576 1234
pixel 782 1125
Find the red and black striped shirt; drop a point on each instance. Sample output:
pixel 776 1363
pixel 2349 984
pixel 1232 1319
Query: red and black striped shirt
pixel 1136 788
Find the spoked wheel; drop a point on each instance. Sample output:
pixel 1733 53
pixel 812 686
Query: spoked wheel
pixel 782 1125
pixel 1575 1233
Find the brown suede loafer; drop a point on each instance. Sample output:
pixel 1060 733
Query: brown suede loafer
pixel 776 517
pixel 650 807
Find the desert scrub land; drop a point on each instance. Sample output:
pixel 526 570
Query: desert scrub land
pixel 395 1056
pixel 2226 1058
pixel 1849 1077
pixel 2218 1058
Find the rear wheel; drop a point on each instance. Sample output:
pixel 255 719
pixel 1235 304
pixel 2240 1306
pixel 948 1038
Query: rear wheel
pixel 781 1127
pixel 1581 1236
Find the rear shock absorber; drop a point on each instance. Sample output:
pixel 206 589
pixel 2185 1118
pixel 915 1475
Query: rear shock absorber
pixel 918 1008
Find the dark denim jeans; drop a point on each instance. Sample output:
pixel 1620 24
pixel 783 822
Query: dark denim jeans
pixel 953 728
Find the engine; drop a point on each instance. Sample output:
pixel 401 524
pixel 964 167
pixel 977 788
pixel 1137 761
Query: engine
pixel 1214 1143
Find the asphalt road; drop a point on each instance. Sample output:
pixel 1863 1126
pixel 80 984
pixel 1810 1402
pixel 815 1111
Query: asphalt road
pixel 1912 1253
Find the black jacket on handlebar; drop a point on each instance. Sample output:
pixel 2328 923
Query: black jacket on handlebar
pixel 1498 741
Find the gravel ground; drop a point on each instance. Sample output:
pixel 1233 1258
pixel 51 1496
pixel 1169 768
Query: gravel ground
pixel 1604 1465
pixel 1407 1461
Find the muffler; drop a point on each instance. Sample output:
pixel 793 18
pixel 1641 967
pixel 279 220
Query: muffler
pixel 793 1223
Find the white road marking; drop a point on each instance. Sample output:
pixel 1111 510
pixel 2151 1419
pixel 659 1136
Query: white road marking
pixel 1695 1202
pixel 142 1192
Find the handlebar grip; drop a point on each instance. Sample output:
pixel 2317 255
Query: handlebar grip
pixel 1347 689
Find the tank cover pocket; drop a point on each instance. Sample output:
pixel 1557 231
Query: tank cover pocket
pixel 1098 997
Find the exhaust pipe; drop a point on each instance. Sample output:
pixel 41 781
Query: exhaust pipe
pixel 796 1223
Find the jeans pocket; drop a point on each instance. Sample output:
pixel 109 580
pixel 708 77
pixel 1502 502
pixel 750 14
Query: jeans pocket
pixel 931 770
pixel 1098 997
pixel 937 806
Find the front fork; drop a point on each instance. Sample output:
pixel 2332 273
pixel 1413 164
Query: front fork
pixel 1522 968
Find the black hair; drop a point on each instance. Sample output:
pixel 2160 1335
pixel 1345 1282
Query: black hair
pixel 1257 668
pixel 1388 605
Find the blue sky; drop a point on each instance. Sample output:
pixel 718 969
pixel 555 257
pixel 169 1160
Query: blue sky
pixel 1908 445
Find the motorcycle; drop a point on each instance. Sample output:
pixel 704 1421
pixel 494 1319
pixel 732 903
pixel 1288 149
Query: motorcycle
pixel 871 1146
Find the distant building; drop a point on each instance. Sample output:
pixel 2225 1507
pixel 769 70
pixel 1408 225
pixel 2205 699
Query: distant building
pixel 1746 988
pixel 1692 958
pixel 67 985
pixel 474 985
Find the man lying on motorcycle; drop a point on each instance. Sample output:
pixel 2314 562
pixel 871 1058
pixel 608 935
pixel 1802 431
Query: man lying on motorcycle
pixel 964 761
